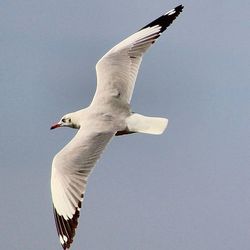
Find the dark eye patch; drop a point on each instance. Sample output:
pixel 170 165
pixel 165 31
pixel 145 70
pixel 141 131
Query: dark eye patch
pixel 63 120
pixel 69 120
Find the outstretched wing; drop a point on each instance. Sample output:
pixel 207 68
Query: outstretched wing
pixel 70 170
pixel 117 69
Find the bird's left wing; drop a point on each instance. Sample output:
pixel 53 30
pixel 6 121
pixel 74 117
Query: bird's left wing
pixel 117 69
pixel 70 170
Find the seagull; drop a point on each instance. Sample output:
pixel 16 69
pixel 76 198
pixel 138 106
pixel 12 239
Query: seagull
pixel 109 114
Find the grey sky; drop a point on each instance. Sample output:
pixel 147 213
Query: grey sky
pixel 188 189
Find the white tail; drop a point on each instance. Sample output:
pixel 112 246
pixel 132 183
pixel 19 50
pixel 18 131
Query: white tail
pixel 146 124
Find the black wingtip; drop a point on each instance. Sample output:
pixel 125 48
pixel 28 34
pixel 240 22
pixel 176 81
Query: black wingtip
pixel 179 8
pixel 66 228
pixel 165 20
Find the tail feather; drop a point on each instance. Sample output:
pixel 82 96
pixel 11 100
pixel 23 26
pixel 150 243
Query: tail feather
pixel 146 124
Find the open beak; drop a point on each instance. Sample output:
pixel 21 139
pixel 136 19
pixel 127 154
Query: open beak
pixel 57 125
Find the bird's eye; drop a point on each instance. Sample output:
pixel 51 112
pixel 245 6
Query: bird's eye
pixel 63 120
pixel 69 120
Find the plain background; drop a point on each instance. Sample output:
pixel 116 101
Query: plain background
pixel 188 189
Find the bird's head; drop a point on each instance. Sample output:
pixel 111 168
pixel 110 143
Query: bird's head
pixel 67 121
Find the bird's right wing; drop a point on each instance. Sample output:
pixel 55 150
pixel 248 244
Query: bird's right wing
pixel 117 69
pixel 71 168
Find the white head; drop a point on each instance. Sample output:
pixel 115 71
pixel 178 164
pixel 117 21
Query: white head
pixel 68 120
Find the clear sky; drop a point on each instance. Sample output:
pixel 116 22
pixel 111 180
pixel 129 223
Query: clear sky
pixel 188 189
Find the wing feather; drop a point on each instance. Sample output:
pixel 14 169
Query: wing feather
pixel 118 68
pixel 71 168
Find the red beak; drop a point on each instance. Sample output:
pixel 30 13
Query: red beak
pixel 55 126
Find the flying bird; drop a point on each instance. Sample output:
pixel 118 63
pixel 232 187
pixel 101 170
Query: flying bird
pixel 108 114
